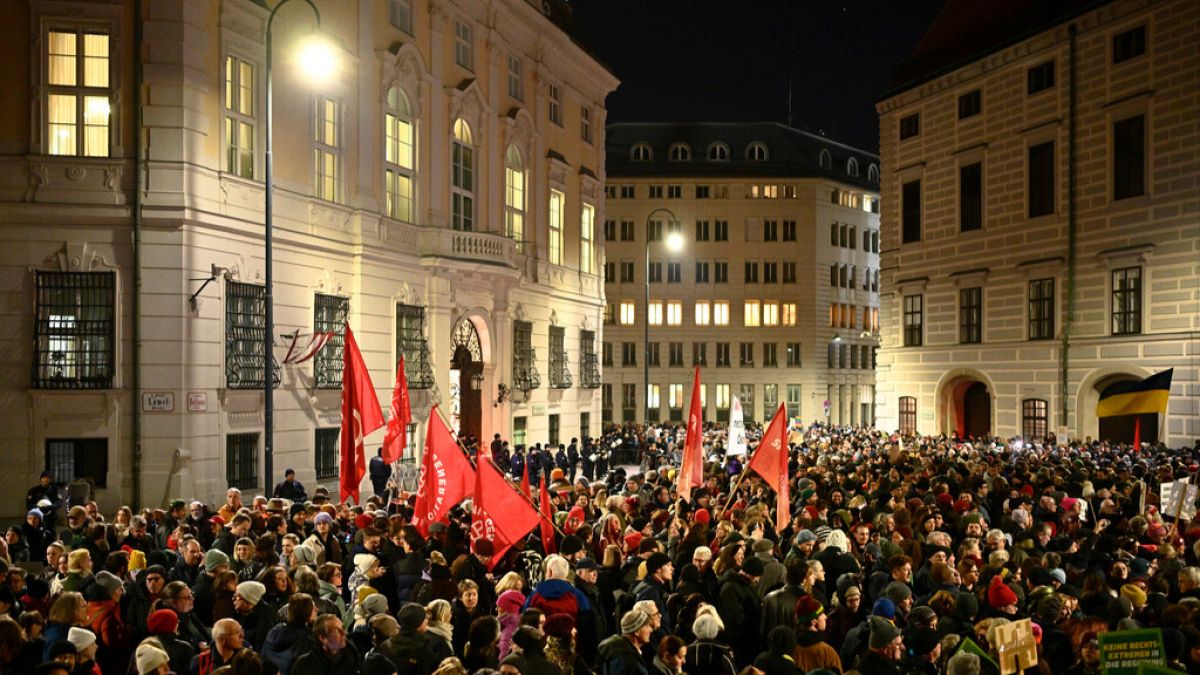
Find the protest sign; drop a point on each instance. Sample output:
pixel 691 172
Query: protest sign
pixel 1170 494
pixel 1122 652
pixel 737 430
pixel 1147 669
pixel 1017 647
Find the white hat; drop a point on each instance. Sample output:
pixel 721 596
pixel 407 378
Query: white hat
pixel 149 658
pixel 363 562
pixel 82 638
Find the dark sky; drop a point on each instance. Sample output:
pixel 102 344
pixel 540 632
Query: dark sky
pixel 730 60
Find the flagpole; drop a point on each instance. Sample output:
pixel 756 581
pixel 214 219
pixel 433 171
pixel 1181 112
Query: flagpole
pixel 733 492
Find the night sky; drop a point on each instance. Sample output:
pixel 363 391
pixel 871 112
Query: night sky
pixel 730 61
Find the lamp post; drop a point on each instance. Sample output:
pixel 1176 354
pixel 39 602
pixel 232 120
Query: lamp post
pixel 674 243
pixel 316 58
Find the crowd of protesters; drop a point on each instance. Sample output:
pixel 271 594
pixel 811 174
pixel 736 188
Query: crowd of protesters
pixel 896 554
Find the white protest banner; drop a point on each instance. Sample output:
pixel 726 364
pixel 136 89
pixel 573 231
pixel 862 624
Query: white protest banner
pixel 737 430
pixel 1171 493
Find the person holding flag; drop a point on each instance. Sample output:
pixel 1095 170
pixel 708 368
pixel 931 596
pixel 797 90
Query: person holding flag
pixel 361 415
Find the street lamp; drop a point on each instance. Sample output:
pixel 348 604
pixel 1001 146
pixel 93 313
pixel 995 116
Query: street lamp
pixel 674 244
pixel 316 59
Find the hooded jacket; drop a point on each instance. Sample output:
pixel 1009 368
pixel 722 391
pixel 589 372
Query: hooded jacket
pixel 813 652
pixel 409 653
pixel 558 596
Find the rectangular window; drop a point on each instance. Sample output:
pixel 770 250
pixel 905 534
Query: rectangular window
pixel 674 272
pixel 1129 157
pixel 970 315
pixel 674 192
pixel 560 367
pixel 553 428
pixel 654 355
pixel 655 191
pixel 770 230
pixel 703 191
pixel 789 272
pixel 240 122
pixel 701 230
pixel 607 353
pixel 525 373
pixel 516 80
pixel 654 230
pixel 911 212
pixel 1127 301
pixel 653 401
pixel 722 394
pixel 78 93
pixel 834 275
pixel 627 192
pixel 751 268
pixel 753 313
pixel 914 320
pixel 606 407
pixel 585 123
pixel 628 354
pixel 327 148
pixel 626 271
pixel 703 313
pixel 910 125
pixel 908 415
pixel 1129 44
pixel 770 355
pixel 723 355
pixel 699 354
pixel 628 402
pixel 557 202
pixel 675 313
pixel 770 273
pixel 400 16
pixel 702 272
pixel 74 330
pixel 241 461
pixel 325 445
pixel 554 93
pixel 770 313
pixel 721 272
pixel 1040 77
pixel 721 313
pixel 627 230
pixel 69 459
pixel 794 355
pixel 411 344
pixel 675 400
pixel 521 424
pixel 654 272
pixel 793 401
pixel 655 313
pixel 970 104
pixel 589 368
pixel 746 354
pixel 1041 179
pixel 833 234
pixel 1035 419
pixel 789 230
pixel 610 230
pixel 675 353
pixel 788 311
pixel 329 316
pixel 970 197
pixel 464 48
pixel 721 230
pixel 587 247
pixel 852 242
pixel 1041 309
pixel 244 336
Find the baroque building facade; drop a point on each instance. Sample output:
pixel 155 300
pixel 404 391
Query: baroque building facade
pixel 439 192
pixel 1041 220
pixel 773 288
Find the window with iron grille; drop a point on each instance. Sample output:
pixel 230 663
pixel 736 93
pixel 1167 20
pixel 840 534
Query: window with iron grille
pixel 914 320
pixel 241 460
pixel 908 415
pixel 245 331
pixel 69 459
pixel 970 315
pixel 525 375
pixel 560 371
pixel 1034 418
pixel 74 330
pixel 1127 301
pixel 1041 309
pixel 326 460
pixel 589 367
pixel 329 316
pixel 411 344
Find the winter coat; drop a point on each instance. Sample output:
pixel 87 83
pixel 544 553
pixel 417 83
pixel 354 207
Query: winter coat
pixel 509 623
pixel 180 652
pixel 558 596
pixel 408 653
pixel 320 662
pixel 286 643
pixel 618 656
pixel 779 608
pixel 115 637
pixel 709 657
pixel 813 652
pixel 740 610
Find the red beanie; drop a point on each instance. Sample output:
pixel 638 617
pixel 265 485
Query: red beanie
pixel 633 540
pixel 999 594
pixel 702 516
pixel 162 622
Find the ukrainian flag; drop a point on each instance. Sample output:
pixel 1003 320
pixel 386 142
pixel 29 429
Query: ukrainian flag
pixel 1136 397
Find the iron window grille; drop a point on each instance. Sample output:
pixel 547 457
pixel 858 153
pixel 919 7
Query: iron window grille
pixel 74 330
pixel 69 459
pixel 1034 419
pixel 326 444
pixel 329 316
pixel 970 315
pixel 525 372
pixel 241 460
pixel 245 330
pixel 908 415
pixel 589 367
pixel 914 319
pixel 560 371
pixel 411 344
pixel 1041 309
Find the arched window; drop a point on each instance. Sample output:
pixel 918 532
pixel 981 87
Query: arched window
pixel 680 152
pixel 825 160
pixel 399 156
pixel 873 173
pixel 718 152
pixel 514 196
pixel 462 177
pixel 641 152
pixel 756 152
pixel 852 167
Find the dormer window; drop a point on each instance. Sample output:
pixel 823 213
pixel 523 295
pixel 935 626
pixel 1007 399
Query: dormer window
pixel 756 152
pixel 825 160
pixel 718 152
pixel 852 167
pixel 680 152
pixel 641 152
pixel 873 173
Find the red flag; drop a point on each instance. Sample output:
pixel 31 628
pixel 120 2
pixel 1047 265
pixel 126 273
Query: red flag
pixel 1137 434
pixel 400 417
pixel 691 473
pixel 447 476
pixel 360 416
pixel 501 515
pixel 770 460
pixel 525 482
pixel 548 543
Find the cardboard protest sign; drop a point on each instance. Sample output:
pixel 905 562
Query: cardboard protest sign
pixel 1123 652
pixel 1017 647
pixel 1171 493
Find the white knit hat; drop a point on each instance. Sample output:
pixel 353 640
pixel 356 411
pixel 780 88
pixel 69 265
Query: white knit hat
pixel 82 638
pixel 363 562
pixel 149 658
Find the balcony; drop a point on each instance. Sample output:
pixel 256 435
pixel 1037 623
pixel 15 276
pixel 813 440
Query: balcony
pixel 478 247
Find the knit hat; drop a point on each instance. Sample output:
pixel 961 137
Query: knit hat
pixel 323 517
pixel 805 536
pixel 884 608
pixel 963 663
pixel 375 603
pixel 882 632
pixel 410 617
pixel 702 516
pixel 656 561
pixel 109 582
pixel 82 638
pixel 921 641
pixel 808 609
pixel 753 567
pixel 363 562
pixel 633 620
pixel 61 648
pixel 633 540
pixel 35 512
pixel 137 560
pixel 706 626
pixel 921 614
pixel 559 626
pixel 851 592
pixel 530 640
pixel 510 602
pixel 570 545
pixel 251 591
pixel 999 594
pixel 1137 597
pixel 162 622
pixel 214 559
pixel 897 592
pixel 149 658
pixel 515 660
pixel 304 555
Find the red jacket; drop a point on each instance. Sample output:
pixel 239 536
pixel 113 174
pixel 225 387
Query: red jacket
pixel 556 596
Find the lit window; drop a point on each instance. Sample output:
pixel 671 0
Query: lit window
pixel 587 227
pixel 514 196
pixel 674 313
pixel 721 313
pixel 703 313
pixel 655 314
pixel 753 313
pixel 557 200
pixel 79 95
pixel 770 314
pixel 722 396
pixel 462 160
pixel 675 395
pixel 327 152
pixel 627 314
pixel 789 314
pixel 398 156
pixel 653 397
pixel 239 117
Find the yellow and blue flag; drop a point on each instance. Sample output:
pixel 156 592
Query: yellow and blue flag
pixel 1135 397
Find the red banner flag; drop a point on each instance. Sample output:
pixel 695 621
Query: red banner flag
pixel 501 515
pixel 360 416
pixel 691 473
pixel 396 439
pixel 525 482
pixel 770 460
pixel 547 520
pixel 447 476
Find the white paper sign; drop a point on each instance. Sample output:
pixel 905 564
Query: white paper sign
pixel 736 443
pixel 1172 492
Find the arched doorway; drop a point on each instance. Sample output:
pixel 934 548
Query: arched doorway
pixel 466 379
pixel 1122 428
pixel 977 411
pixel 965 404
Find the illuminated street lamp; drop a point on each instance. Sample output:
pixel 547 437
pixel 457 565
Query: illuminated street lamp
pixel 674 244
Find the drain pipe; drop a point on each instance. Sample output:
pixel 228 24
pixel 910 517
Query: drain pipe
pixel 136 304
pixel 1072 226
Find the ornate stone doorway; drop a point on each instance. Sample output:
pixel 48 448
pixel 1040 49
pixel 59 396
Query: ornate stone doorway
pixel 466 381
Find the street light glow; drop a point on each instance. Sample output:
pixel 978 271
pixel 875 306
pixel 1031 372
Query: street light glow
pixel 674 242
pixel 317 59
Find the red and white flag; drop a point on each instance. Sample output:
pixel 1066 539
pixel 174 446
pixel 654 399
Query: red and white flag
pixel 396 438
pixel 360 416
pixel 547 518
pixel 770 460
pixel 502 515
pixel 691 473
pixel 447 476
